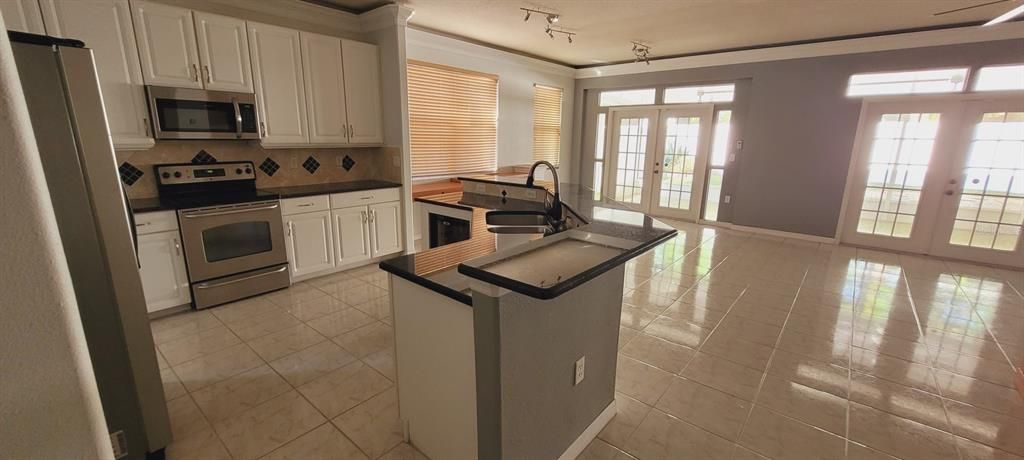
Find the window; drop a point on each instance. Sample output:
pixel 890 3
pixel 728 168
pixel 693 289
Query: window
pixel 547 123
pixel 716 164
pixel 692 94
pixel 914 82
pixel 453 120
pixel 602 121
pixel 1000 78
pixel 626 97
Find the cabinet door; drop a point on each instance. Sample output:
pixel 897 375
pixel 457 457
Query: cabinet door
pixel 167 45
pixel 362 91
pixel 309 244
pixel 164 279
pixel 223 53
pixel 325 89
pixel 22 16
pixel 386 228
pixel 280 93
pixel 351 235
pixel 106 27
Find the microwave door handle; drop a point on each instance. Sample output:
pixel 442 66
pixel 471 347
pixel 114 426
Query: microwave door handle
pixel 238 118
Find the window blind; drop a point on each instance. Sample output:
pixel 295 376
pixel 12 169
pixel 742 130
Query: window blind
pixel 453 120
pixel 547 123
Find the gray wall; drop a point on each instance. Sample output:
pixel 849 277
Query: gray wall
pixel 527 405
pixel 797 125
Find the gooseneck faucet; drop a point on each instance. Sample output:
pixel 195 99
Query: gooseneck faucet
pixel 556 207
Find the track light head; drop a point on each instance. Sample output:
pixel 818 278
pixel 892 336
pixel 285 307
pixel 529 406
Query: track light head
pixel 527 18
pixel 552 18
pixel 570 38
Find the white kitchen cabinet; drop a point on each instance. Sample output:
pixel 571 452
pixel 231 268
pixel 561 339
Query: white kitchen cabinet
pixel 385 228
pixel 167 45
pixel 309 242
pixel 362 92
pixel 324 77
pixel 106 27
pixel 223 53
pixel 351 235
pixel 22 16
pixel 164 279
pixel 280 91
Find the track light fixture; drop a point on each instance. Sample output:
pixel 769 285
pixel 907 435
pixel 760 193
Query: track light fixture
pixel 641 52
pixel 551 17
pixel 551 31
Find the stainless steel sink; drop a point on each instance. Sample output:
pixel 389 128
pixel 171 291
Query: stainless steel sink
pixel 517 222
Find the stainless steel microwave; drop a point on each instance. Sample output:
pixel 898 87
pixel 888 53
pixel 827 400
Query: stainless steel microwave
pixel 180 113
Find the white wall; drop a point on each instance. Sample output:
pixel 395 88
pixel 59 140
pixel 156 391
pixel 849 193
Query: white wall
pixel 516 77
pixel 49 403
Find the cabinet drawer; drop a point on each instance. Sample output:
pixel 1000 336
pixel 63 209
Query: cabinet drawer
pixel 305 204
pixel 383 195
pixel 152 222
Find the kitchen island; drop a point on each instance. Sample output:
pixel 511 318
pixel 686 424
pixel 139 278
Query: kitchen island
pixel 506 343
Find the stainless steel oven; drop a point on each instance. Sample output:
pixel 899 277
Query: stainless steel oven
pixel 180 113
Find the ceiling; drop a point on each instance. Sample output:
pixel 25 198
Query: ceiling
pixel 675 27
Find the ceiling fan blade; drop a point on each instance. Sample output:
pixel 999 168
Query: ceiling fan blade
pixel 970 7
pixel 1007 16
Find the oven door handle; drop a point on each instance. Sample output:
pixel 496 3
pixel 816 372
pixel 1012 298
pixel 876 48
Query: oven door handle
pixel 238 118
pixel 239 280
pixel 197 214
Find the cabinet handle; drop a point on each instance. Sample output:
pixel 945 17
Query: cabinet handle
pixel 177 247
pixel 263 129
pixel 373 214
pixel 305 205
pixel 289 229
pixel 351 132
pixel 209 79
pixel 195 73
pixel 363 215
pixel 145 125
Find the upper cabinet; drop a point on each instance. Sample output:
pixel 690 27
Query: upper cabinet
pixel 186 49
pixel 223 52
pixel 280 92
pixel 362 91
pixel 106 27
pixel 22 16
pixel 324 75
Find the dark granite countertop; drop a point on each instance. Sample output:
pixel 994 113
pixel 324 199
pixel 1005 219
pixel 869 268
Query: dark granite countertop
pixel 433 268
pixel 139 205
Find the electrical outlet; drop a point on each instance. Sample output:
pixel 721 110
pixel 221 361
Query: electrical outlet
pixel 293 161
pixel 580 369
pixel 339 160
pixel 728 199
pixel 739 144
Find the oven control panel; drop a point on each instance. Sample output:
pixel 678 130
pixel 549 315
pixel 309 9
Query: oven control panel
pixel 205 172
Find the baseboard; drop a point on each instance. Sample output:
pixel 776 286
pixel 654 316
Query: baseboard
pixel 778 233
pixel 588 435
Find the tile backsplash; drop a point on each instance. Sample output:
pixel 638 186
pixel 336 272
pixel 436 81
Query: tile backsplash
pixel 276 167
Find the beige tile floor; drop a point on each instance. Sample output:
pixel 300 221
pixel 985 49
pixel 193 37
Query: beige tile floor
pixel 732 346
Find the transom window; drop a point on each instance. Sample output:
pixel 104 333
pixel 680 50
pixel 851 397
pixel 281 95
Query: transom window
pixel 913 82
pixel 697 94
pixel 1000 78
pixel 626 97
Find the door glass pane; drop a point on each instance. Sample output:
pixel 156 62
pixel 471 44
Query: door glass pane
pixel 677 169
pixel 714 193
pixel 598 178
pixel 900 153
pixel 599 140
pixel 990 211
pixel 236 240
pixel 632 159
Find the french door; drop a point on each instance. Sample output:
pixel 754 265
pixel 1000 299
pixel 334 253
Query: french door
pixel 941 177
pixel 660 158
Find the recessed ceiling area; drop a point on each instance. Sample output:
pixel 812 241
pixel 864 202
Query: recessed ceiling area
pixel 604 28
pixel 352 6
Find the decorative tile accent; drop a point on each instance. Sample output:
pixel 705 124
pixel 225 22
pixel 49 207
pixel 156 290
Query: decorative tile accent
pixel 203 157
pixel 348 163
pixel 269 167
pixel 129 173
pixel 311 164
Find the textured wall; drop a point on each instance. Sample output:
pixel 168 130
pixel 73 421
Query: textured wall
pixel 49 403
pixel 370 163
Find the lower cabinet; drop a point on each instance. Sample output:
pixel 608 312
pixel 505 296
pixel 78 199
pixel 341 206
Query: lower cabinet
pixel 309 242
pixel 326 234
pixel 164 279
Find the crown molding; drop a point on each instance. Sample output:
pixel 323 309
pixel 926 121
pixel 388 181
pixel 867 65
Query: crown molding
pixel 393 15
pixel 973 34
pixel 416 37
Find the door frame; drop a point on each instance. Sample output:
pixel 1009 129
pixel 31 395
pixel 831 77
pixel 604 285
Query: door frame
pixel 611 155
pixel 863 137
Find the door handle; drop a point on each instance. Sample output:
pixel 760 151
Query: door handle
pixel 949 193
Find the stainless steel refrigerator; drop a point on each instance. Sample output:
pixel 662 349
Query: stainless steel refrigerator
pixel 67 115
